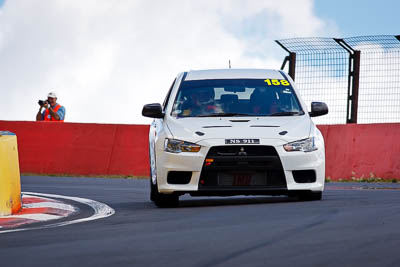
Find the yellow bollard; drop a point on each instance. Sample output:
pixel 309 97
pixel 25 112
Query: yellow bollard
pixel 10 183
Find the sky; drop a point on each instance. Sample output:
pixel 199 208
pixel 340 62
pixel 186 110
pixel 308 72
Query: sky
pixel 106 59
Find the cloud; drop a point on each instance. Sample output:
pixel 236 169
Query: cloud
pixel 107 58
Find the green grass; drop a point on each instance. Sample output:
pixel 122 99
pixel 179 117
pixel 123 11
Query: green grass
pixel 362 179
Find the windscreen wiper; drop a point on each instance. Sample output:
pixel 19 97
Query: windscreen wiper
pixel 230 114
pixel 286 113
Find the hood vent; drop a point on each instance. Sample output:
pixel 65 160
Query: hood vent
pixel 268 126
pixel 217 126
pixel 239 120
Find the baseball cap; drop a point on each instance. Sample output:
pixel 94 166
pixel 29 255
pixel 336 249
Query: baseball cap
pixel 52 95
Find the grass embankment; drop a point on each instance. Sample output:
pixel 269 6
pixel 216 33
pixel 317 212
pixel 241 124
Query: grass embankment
pixel 371 179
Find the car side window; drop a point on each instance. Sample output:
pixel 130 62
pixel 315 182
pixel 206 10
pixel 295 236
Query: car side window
pixel 168 95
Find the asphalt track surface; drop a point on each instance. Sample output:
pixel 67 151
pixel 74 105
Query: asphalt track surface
pixel 349 227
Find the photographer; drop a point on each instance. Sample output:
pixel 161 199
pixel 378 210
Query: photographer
pixel 53 111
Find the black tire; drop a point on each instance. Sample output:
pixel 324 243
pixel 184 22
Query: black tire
pixel 152 190
pixel 166 200
pixel 152 187
pixel 159 199
pixel 309 196
pixel 162 200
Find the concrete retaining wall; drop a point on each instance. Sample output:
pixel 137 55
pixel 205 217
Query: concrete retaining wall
pixel 84 149
pixel 362 150
pixel 112 149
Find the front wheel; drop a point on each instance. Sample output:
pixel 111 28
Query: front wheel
pixel 162 200
pixel 309 196
pixel 159 199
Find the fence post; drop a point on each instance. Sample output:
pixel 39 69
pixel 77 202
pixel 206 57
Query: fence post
pixel 292 60
pixel 353 81
pixel 292 65
pixel 355 85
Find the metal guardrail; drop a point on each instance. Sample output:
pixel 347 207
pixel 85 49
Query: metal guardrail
pixel 358 77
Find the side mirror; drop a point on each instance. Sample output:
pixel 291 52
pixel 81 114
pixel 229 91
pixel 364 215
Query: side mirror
pixel 153 111
pixel 318 109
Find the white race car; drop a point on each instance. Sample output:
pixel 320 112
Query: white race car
pixel 234 132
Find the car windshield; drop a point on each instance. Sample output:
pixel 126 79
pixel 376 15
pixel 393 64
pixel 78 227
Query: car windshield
pixel 236 97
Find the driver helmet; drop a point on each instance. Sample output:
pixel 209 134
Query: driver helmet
pixel 203 96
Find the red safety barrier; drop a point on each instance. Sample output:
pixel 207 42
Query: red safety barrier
pixel 80 148
pixel 362 150
pixel 352 150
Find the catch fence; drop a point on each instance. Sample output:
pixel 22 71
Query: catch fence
pixel 358 77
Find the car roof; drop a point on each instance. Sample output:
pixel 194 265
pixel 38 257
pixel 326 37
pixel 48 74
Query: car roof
pixel 234 74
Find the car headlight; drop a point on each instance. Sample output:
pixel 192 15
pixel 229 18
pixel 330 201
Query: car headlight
pixel 177 146
pixel 305 145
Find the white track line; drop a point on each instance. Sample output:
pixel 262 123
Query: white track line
pixel 54 205
pixel 101 210
pixel 36 216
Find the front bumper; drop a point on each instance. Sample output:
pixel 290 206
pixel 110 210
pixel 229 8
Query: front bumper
pixel 275 162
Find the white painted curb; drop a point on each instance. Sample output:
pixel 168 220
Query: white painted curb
pixel 101 210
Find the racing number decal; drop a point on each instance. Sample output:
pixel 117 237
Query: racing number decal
pixel 277 82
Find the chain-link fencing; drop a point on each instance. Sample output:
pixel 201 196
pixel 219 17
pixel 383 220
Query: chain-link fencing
pixel 358 77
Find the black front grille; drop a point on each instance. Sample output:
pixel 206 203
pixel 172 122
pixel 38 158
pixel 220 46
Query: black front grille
pixel 252 158
pixel 238 150
pixel 237 161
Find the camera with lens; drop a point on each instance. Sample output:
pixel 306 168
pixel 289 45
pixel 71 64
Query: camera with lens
pixel 42 102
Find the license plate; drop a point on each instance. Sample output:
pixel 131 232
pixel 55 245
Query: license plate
pixel 241 141
pixel 242 179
